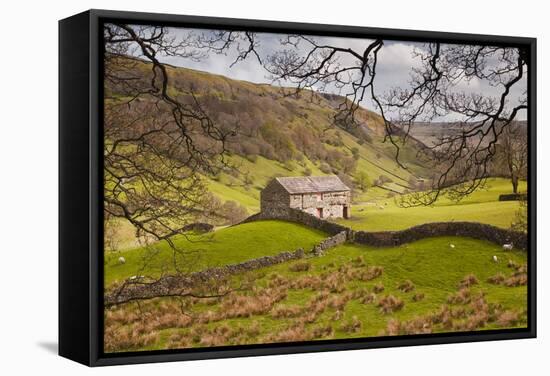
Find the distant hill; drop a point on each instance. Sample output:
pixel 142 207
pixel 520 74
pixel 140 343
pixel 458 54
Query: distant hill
pixel 429 133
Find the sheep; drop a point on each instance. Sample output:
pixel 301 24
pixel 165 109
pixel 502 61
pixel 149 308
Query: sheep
pixel 121 260
pixel 381 207
pixel 508 246
pixel 452 245
pixel 495 258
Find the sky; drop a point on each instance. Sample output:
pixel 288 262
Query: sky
pixel 395 64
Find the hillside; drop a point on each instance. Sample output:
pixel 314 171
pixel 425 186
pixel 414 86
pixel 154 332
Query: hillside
pixel 280 135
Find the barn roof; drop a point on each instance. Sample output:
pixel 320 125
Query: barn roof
pixel 312 184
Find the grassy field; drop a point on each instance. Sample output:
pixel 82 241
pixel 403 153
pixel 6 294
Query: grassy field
pixel 225 246
pixel 352 291
pixel 381 213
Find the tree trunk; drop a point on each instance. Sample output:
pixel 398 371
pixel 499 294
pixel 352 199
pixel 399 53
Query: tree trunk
pixel 515 182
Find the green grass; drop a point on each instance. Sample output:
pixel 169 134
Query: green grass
pixel 431 264
pixel 225 246
pixel 481 206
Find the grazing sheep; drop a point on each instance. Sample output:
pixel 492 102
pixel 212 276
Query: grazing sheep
pixel 508 246
pixel 495 258
pixel 381 207
pixel 121 260
pixel 451 245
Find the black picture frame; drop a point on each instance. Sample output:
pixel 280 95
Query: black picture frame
pixel 80 189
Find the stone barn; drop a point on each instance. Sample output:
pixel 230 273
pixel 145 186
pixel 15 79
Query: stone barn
pixel 321 196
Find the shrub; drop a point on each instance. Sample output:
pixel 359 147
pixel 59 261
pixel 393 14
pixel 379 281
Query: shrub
pixel 418 297
pixel 233 212
pixel 325 168
pixel 418 325
pixel 322 331
pixel 390 304
pixel 519 279
pixel 463 296
pixel 468 281
pixel 337 316
pixel 352 326
pixel 378 288
pixel 497 279
pixel 285 312
pixel 406 286
pixel 300 267
pixel 369 298
pixel 368 274
pixel 359 261
pixel 293 333
pixel 508 318
pixel 360 293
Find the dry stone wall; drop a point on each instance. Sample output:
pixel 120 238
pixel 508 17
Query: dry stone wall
pixel 466 229
pixel 331 242
pixel 174 284
pixel 298 216
pixel 393 238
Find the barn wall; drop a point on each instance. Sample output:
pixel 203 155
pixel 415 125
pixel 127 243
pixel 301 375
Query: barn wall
pixel 274 198
pixel 332 203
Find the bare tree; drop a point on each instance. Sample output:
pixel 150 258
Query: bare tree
pixel 514 149
pixel 460 161
pixel 159 141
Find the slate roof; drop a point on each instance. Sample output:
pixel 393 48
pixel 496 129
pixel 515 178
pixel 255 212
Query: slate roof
pixel 312 184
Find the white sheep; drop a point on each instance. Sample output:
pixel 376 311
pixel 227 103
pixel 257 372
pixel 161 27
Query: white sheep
pixel 452 245
pixel 121 260
pixel 508 246
pixel 495 258
pixel 381 207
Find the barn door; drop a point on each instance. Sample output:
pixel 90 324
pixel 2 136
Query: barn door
pixel 346 214
pixel 320 212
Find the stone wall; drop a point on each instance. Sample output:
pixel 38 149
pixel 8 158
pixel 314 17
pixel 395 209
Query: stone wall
pixel 332 203
pixel 199 227
pixel 331 242
pixel 174 284
pixel 466 229
pixel 513 197
pixel 298 216
pixel 274 197
pixel 393 238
